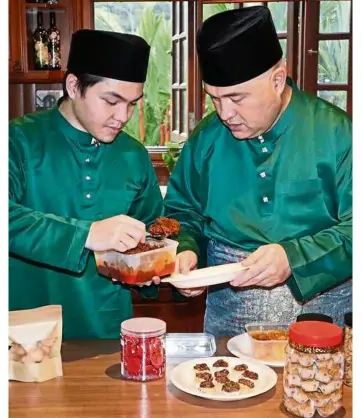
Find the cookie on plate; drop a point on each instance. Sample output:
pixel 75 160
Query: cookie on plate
pixel 201 367
pixel 240 367
pixel 203 376
pixel 207 386
pixel 231 387
pixel 245 383
pixel 220 363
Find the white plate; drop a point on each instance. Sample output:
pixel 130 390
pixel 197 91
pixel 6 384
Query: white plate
pixel 208 276
pixel 241 347
pixel 183 377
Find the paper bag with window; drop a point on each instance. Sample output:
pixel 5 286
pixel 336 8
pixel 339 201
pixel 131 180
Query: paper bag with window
pixel 35 338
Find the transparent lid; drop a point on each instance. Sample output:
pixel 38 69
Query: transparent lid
pixel 147 327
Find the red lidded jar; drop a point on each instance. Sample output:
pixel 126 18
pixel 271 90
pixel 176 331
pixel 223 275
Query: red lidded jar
pixel 314 369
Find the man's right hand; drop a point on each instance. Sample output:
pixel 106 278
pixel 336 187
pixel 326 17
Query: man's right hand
pixel 186 261
pixel 119 233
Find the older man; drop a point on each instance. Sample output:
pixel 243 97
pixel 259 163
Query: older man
pixel 266 179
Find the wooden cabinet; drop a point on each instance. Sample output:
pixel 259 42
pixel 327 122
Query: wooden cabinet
pixel 23 21
pixel 16 63
pixel 24 80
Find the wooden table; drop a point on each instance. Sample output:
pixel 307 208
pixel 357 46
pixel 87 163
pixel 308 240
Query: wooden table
pixel 92 388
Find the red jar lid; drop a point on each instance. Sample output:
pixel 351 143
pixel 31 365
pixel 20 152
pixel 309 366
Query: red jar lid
pixel 316 334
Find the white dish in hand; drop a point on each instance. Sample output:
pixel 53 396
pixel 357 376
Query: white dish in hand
pixel 208 276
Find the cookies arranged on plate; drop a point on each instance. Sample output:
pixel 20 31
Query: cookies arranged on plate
pixel 223 378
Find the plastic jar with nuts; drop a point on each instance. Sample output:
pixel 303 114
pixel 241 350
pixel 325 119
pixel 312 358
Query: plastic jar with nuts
pixel 348 349
pixel 314 369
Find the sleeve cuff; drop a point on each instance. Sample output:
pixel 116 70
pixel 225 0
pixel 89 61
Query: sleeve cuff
pixel 78 255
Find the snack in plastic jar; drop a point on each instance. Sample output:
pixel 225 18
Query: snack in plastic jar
pixel 143 349
pixel 314 369
pixel 348 349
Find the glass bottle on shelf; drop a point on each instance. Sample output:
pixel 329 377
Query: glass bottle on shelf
pixel 54 44
pixel 40 38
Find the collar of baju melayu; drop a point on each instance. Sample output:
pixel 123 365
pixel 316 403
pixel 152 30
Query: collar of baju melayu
pixel 80 138
pixel 288 118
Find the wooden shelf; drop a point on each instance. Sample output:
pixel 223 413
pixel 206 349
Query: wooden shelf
pixel 45 5
pixel 45 77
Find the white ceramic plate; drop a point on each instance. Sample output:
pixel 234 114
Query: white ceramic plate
pixel 183 377
pixel 208 276
pixel 241 347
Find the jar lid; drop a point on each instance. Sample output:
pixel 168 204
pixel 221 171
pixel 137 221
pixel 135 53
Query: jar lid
pixel 316 334
pixel 314 317
pixel 348 319
pixel 144 325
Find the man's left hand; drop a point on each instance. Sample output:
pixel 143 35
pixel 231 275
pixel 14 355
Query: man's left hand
pixel 268 266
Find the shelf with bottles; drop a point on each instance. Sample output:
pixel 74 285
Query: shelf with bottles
pixel 45 4
pixel 46 31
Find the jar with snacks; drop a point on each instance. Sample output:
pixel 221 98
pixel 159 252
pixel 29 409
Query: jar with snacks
pixel 143 349
pixel 314 369
pixel 348 349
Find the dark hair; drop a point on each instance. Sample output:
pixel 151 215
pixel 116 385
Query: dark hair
pixel 84 81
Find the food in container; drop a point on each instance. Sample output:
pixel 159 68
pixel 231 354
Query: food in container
pixel 135 267
pixel 165 227
pixel 348 349
pixel 143 349
pixel 313 373
pixel 268 340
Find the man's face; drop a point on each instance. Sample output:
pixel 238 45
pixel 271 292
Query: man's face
pixel 250 108
pixel 106 107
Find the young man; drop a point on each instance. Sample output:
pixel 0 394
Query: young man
pixel 267 178
pixel 78 184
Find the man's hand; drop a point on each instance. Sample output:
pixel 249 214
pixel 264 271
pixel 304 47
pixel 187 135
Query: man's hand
pixel 186 261
pixel 119 233
pixel 268 266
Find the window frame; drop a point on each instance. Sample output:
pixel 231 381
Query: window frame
pixel 299 64
pixel 310 52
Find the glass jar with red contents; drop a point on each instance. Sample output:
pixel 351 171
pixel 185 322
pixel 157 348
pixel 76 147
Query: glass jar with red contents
pixel 314 369
pixel 143 349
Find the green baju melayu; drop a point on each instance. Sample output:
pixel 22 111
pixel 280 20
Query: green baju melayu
pixel 292 185
pixel 60 181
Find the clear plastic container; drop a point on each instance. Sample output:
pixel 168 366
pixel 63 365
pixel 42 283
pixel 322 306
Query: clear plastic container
pixel 314 369
pixel 190 345
pixel 143 349
pixel 138 268
pixel 268 340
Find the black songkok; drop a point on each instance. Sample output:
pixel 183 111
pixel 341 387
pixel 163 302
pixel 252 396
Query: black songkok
pixel 237 45
pixel 109 54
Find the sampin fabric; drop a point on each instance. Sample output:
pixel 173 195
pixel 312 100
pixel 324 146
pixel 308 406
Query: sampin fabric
pixel 229 308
